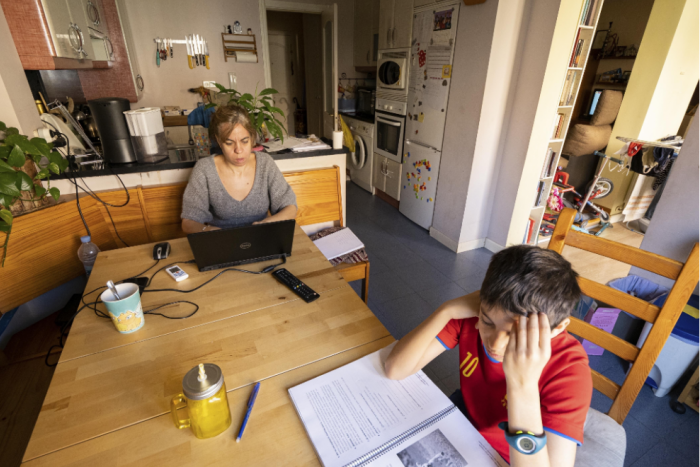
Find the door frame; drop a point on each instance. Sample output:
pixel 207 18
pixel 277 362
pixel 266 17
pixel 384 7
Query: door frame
pixel 277 5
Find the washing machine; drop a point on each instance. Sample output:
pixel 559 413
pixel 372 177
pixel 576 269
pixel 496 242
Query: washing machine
pixel 360 162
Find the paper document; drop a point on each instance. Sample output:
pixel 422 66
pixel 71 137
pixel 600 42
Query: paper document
pixel 338 243
pixel 312 143
pixel 356 416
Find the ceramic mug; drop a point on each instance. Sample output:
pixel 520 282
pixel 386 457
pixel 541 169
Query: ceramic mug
pixel 126 314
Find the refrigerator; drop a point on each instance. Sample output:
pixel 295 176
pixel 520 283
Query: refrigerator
pixel 430 76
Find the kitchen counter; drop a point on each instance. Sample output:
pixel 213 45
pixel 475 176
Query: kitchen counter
pixel 177 159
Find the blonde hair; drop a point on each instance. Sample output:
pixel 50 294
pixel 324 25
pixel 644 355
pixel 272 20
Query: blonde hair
pixel 225 120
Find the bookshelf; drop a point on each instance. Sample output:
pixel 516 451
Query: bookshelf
pixel 581 47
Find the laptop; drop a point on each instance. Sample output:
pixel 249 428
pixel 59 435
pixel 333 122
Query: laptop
pixel 223 248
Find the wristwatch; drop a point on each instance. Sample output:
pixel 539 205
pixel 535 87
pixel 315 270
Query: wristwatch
pixel 524 442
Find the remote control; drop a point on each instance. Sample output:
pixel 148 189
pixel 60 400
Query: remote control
pixel 297 286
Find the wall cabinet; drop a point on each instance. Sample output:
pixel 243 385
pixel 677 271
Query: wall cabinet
pixel 395 22
pixel 386 176
pixel 49 34
pixel 366 37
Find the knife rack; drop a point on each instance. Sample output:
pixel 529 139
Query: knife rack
pixel 238 43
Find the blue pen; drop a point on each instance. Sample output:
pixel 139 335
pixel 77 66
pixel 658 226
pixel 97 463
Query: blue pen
pixel 251 403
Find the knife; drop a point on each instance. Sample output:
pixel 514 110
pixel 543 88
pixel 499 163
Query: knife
pixel 158 52
pixel 189 53
pixel 206 53
pixel 196 52
pixel 200 44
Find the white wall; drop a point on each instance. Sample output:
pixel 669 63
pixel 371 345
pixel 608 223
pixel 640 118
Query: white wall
pixel 674 228
pixel 17 107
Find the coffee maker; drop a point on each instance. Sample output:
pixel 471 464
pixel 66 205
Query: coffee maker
pixel 108 113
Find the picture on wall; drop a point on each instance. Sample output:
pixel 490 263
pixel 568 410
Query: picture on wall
pixel 442 20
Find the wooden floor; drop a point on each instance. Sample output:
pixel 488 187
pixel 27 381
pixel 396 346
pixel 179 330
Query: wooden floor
pixel 25 379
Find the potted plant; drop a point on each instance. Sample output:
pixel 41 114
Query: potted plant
pixel 20 181
pixel 260 107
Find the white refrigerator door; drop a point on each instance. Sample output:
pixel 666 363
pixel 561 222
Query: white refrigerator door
pixel 432 50
pixel 421 166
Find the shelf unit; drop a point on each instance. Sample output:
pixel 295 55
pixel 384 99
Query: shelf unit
pixel 569 92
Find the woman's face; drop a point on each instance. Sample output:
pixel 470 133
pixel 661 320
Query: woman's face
pixel 238 146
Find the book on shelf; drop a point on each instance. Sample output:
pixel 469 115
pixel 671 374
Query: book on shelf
pixel 540 191
pixel 591 13
pixel 579 52
pixel 558 124
pixel 584 12
pixel 356 416
pixel 545 165
pixel 530 226
pixel 571 92
pixel 573 52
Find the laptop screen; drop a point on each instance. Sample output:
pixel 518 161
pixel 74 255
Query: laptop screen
pixel 239 245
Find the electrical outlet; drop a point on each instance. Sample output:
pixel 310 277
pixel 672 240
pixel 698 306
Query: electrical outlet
pixel 232 80
pixel 210 84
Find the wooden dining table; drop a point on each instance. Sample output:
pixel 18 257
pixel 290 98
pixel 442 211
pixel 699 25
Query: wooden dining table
pixel 109 400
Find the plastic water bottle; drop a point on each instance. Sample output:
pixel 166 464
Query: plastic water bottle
pixel 87 253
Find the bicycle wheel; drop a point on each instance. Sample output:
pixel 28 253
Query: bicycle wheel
pixel 604 185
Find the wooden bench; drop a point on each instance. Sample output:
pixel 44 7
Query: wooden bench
pixel 42 252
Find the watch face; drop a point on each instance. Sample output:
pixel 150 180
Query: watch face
pixel 526 445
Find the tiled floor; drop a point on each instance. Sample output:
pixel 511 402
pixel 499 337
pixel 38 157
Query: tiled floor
pixel 411 274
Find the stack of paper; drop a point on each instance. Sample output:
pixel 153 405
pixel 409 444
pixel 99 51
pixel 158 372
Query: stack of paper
pixel 312 143
pixel 338 244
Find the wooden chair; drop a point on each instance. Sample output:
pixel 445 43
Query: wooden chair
pixel 664 319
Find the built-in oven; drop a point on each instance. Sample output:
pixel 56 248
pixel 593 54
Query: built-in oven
pixel 389 129
pixel 392 70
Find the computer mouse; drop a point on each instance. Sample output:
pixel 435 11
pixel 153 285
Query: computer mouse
pixel 161 250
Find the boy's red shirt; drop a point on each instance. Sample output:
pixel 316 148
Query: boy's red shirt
pixel 565 385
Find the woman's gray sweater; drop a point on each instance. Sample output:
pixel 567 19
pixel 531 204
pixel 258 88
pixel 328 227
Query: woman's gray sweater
pixel 207 201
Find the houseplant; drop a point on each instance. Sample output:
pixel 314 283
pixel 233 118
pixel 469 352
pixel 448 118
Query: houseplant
pixel 260 107
pixel 20 181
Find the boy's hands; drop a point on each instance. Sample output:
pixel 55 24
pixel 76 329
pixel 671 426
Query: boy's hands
pixel 528 351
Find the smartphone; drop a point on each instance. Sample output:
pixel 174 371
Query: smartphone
pixel 177 273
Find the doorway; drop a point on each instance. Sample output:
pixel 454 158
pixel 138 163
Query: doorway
pixel 300 57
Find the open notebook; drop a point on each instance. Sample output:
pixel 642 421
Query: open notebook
pixel 356 416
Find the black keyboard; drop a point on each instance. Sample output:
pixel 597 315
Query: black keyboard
pixel 297 286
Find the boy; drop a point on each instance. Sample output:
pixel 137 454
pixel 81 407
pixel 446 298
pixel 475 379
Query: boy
pixel 517 362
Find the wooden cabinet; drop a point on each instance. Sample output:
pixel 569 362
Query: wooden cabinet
pixel 395 23
pixel 69 28
pixel 366 33
pixel 130 48
pixel 95 15
pixel 386 176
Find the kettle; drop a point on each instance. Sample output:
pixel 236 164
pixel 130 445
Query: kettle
pixel 204 396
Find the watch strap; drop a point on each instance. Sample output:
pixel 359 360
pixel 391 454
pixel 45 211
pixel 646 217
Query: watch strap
pixel 525 442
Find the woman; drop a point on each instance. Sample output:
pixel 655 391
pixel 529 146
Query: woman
pixel 238 187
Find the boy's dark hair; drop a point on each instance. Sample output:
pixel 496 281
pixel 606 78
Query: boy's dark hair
pixel 524 279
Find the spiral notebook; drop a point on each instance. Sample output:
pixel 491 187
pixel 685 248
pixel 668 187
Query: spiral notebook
pixel 356 417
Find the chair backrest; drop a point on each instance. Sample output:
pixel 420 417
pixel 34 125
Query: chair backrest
pixel 318 193
pixel 663 320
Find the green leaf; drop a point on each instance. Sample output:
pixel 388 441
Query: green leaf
pixel 6 216
pixel 55 157
pixel 53 167
pixel 268 91
pixel 41 145
pixel 5 167
pixel 24 182
pixel 11 131
pixel 220 87
pixel 5 151
pixel 246 97
pixel 4 227
pixel 6 200
pixel 63 165
pixel 210 105
pixel 246 105
pixel 43 173
pixel 2 126
pixel 39 190
pixel 16 158
pixel 55 193
pixel 8 183
pixel 277 109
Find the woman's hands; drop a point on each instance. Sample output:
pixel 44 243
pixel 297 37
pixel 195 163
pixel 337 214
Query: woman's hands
pixel 528 351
